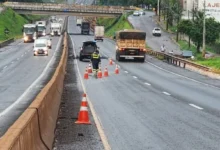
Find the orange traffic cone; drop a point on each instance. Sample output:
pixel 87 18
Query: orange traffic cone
pixel 110 62
pixel 83 117
pixel 106 72
pixel 86 74
pixel 99 74
pixel 90 69
pixel 116 70
pixel 84 101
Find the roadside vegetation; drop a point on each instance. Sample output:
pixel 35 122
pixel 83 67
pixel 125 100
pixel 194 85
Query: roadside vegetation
pixel 14 22
pixel 114 24
pixel 213 62
pixel 192 28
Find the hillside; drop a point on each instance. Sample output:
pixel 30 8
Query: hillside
pixel 114 24
pixel 13 22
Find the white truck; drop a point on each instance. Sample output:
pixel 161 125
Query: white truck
pixel 41 28
pixel 55 29
pixel 78 22
pixel 29 32
pixel 99 33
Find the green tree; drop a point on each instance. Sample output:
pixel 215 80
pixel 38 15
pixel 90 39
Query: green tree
pixel 194 29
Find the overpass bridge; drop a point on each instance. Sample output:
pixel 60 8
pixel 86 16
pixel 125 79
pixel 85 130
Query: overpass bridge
pixel 65 9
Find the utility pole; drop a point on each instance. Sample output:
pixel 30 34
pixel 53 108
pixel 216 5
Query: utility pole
pixel 158 9
pixel 167 8
pixel 204 31
pixel 193 11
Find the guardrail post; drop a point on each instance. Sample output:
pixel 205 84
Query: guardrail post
pixel 184 65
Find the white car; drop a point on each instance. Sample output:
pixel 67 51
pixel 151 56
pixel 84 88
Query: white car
pixel 40 47
pixel 49 43
pixel 141 12
pixel 156 31
pixel 136 13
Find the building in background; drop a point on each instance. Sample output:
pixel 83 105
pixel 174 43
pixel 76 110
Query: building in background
pixel 212 8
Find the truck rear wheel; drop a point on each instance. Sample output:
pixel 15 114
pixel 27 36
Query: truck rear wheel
pixel 142 59
pixel 80 58
pixel 118 58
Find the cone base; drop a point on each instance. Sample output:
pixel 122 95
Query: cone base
pixel 83 122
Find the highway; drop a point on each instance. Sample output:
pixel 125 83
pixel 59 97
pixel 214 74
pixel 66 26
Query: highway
pixel 147 23
pixel 22 76
pixel 149 107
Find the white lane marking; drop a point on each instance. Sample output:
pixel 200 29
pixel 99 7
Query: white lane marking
pixel 32 85
pixel 126 71
pixel 22 55
pixel 166 93
pixel 147 83
pixel 181 75
pixel 5 67
pixel 97 122
pixel 193 105
pixel 25 53
pixel 18 58
pixel 135 77
pixel 12 62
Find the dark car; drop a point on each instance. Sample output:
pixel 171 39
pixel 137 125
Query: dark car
pixel 87 49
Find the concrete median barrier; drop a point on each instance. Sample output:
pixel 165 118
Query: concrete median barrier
pixel 24 134
pixel 35 128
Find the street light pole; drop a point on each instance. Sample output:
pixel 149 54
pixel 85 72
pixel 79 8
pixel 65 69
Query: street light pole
pixel 204 31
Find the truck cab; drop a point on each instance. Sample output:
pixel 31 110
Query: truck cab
pixel 85 28
pixel 130 44
pixel 41 28
pixel 29 32
pixel 55 29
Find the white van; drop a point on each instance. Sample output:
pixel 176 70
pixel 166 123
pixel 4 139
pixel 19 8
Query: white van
pixel 41 47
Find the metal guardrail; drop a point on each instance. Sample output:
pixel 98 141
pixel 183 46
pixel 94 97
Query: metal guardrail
pixel 5 43
pixel 64 7
pixel 176 60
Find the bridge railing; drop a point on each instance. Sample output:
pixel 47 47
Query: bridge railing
pixel 65 7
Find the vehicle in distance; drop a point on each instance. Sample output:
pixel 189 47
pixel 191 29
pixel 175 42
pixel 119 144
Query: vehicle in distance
pixel 41 28
pixel 99 33
pixel 49 43
pixel 29 32
pixel 87 49
pixel 78 22
pixel 156 31
pixel 40 47
pixel 130 44
pixel 141 12
pixel 136 13
pixel 55 29
pixel 53 19
pixel 85 27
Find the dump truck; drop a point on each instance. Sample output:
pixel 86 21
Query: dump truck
pixel 130 44
pixel 99 33
pixel 85 27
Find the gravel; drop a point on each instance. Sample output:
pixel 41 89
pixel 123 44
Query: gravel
pixel 69 135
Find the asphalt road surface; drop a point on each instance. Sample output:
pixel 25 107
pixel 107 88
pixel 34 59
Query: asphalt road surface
pixel 22 76
pixel 147 24
pixel 147 107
